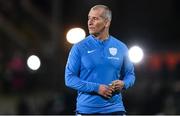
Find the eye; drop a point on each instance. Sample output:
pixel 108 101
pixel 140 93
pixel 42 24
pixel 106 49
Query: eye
pixel 95 18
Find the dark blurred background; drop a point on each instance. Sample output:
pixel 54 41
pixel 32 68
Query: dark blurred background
pixel 39 27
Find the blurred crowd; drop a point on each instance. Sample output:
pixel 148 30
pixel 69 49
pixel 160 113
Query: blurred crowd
pixel 156 91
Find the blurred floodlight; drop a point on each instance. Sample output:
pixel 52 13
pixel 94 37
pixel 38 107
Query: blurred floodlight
pixel 33 62
pixel 135 54
pixel 75 35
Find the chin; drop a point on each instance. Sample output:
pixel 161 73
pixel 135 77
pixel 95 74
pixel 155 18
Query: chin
pixel 92 32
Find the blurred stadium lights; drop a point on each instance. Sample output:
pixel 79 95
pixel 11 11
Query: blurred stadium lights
pixel 136 54
pixel 75 35
pixel 33 62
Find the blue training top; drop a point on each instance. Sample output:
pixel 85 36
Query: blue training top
pixel 92 62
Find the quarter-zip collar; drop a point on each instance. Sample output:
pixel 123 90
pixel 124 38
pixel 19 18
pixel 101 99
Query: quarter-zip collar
pixel 100 42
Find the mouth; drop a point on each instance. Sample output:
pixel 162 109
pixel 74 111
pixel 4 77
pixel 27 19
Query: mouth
pixel 91 28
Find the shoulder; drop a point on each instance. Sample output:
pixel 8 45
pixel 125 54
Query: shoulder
pixel 118 42
pixel 82 44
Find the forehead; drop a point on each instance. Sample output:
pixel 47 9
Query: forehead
pixel 98 12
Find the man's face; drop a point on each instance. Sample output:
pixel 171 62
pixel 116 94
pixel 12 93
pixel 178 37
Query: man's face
pixel 96 21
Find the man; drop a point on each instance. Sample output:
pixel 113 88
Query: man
pixel 98 67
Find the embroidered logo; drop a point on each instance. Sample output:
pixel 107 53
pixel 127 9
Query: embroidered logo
pixel 113 51
pixel 90 51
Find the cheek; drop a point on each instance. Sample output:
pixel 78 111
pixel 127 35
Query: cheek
pixel 99 26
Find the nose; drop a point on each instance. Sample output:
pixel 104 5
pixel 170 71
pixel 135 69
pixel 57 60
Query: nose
pixel 90 22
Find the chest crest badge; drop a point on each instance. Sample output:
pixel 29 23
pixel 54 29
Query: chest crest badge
pixel 113 51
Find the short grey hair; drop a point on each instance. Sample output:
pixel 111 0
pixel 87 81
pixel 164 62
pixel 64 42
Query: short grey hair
pixel 108 12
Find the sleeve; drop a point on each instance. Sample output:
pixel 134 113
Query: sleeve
pixel 72 72
pixel 127 71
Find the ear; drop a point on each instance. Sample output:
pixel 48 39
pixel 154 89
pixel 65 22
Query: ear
pixel 107 23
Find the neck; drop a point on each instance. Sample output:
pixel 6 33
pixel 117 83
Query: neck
pixel 102 36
